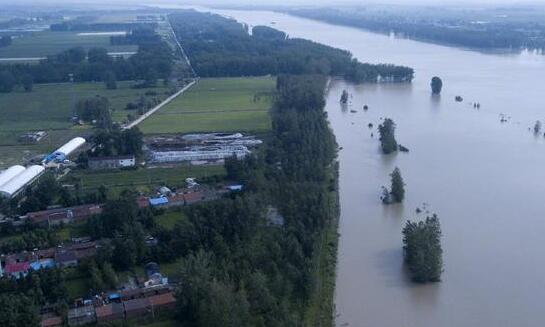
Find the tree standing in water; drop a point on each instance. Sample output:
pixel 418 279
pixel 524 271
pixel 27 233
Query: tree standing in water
pixel 436 85
pixel 387 137
pixel 422 249
pixel 344 97
pixel 397 192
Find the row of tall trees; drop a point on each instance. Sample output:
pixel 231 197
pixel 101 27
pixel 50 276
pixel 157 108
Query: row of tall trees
pixel 517 33
pixel 218 46
pixel 152 61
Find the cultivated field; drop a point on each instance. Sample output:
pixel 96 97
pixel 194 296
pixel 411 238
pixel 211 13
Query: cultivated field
pixel 45 43
pixel 217 105
pixel 49 107
pixel 145 180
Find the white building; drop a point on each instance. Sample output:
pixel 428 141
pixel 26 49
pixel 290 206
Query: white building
pixel 9 173
pixel 18 183
pixel 111 162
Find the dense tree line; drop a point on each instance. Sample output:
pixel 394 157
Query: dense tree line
pixel 117 142
pixel 21 300
pixel 96 109
pixel 524 33
pixel 81 26
pixel 153 60
pixel 218 46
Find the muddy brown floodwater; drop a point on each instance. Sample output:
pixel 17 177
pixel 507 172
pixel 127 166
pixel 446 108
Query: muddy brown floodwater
pixel 485 179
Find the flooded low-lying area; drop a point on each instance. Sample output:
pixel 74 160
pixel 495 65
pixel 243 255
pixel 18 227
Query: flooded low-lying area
pixel 480 169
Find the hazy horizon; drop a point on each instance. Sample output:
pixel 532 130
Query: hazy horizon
pixel 276 3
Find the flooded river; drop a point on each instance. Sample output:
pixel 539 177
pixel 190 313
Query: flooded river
pixel 485 179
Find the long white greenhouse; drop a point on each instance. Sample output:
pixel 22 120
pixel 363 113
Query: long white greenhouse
pixel 18 182
pixel 195 155
pixel 9 173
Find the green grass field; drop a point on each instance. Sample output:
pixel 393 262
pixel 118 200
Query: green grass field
pixel 144 180
pixel 170 218
pixel 217 105
pixel 49 107
pixel 45 43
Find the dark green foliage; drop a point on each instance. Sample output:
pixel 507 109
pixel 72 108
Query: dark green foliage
pixel 28 82
pixel 38 238
pixel 116 142
pixel 110 81
pixel 241 272
pixel 436 25
pixel 436 85
pixel 18 310
pixel 153 60
pixel 7 82
pixel 218 46
pixel 95 109
pixel 397 192
pixel 422 248
pixel 46 286
pixel 387 136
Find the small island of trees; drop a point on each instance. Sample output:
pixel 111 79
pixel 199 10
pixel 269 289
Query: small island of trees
pixel 436 85
pixel 387 136
pixel 422 249
pixel 344 97
pixel 396 194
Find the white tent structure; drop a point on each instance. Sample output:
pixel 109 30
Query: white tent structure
pixel 71 146
pixel 17 183
pixel 9 173
pixel 64 151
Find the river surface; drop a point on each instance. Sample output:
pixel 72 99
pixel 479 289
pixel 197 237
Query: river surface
pixel 485 179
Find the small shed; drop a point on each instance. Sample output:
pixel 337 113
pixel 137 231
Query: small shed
pixel 110 312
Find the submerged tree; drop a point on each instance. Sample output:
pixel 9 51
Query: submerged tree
pixel 537 127
pixel 387 137
pixel 397 193
pixel 344 97
pixel 422 249
pixel 436 85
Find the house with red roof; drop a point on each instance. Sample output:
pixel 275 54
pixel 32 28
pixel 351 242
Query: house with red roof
pixel 17 269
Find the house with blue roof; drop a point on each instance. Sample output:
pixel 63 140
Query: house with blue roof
pixel 160 201
pixel 43 264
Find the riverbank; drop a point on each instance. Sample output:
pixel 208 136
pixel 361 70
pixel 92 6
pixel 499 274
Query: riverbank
pixel 321 309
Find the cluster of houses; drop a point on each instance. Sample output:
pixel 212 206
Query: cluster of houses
pixel 127 304
pixel 148 300
pixel 18 265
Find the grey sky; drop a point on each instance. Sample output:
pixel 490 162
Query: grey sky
pixel 283 3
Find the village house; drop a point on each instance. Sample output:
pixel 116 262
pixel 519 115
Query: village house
pixel 17 269
pixel 136 307
pixel 51 321
pixel 66 258
pixel 81 316
pixel 55 217
pixel 111 162
pixel 110 312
